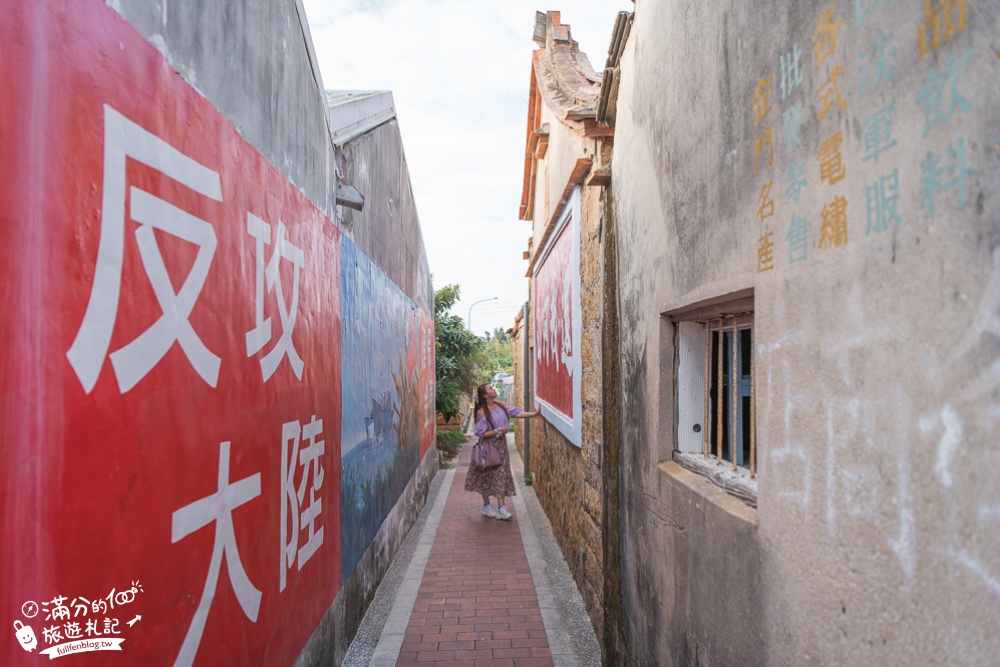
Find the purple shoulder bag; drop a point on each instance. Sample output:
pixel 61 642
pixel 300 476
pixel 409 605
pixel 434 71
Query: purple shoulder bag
pixel 485 454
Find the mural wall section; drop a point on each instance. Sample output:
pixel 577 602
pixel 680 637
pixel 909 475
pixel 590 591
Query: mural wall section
pixel 214 403
pixel 834 165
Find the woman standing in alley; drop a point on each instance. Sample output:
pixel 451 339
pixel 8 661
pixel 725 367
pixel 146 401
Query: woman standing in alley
pixel 492 423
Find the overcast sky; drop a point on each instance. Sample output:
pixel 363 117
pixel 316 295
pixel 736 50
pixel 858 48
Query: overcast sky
pixel 459 72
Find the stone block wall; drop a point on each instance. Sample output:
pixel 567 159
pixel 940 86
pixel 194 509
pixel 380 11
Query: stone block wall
pixel 567 478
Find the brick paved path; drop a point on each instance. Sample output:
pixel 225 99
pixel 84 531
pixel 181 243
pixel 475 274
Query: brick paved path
pixel 477 605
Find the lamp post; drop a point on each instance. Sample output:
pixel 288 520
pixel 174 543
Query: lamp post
pixel 468 322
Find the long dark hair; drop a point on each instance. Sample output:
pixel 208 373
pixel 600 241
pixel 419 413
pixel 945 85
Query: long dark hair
pixel 481 404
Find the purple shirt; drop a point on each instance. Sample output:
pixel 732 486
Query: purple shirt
pixel 501 418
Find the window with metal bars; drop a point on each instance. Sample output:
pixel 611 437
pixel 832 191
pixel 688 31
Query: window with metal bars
pixel 728 433
pixel 715 387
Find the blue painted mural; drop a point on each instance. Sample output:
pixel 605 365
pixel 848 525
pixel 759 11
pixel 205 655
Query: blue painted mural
pixel 380 419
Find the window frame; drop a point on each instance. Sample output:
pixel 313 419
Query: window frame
pixel 695 416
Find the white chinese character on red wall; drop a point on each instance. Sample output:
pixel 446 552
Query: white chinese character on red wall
pixel 218 508
pixel 261 334
pixel 125 140
pixel 296 515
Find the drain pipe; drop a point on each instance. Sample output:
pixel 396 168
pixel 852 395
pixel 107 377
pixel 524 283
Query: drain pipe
pixel 528 404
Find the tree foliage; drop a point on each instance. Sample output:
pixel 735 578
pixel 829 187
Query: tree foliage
pixel 457 352
pixel 497 355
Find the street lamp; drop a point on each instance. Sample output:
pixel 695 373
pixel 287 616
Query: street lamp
pixel 468 322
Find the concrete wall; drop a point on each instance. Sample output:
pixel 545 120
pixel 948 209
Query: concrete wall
pixel 387 229
pixel 554 170
pixel 257 68
pixel 875 539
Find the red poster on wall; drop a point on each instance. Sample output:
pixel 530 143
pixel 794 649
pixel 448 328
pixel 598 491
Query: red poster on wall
pixel 554 359
pixel 171 370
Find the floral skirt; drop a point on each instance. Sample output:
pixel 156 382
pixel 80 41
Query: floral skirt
pixel 494 481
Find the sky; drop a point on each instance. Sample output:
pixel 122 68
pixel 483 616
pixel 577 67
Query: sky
pixel 459 72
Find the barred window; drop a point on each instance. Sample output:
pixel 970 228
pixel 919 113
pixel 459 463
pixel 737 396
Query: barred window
pixel 728 392
pixel 714 365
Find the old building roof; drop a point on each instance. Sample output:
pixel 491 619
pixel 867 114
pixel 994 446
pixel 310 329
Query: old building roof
pixel 607 105
pixel 563 79
pixel 564 76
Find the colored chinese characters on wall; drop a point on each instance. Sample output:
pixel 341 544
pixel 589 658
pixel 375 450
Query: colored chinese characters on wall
pixel 856 151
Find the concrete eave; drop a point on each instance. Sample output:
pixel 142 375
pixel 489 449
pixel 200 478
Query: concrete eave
pixel 355 112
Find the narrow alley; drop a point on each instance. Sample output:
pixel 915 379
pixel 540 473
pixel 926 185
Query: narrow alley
pixel 715 286
pixel 466 589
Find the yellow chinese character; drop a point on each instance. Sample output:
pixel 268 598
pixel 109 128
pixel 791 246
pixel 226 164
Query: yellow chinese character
pixel 829 93
pixel 943 19
pixel 833 231
pixel 761 143
pixel 765 252
pixel 761 101
pixel 831 163
pixel 825 36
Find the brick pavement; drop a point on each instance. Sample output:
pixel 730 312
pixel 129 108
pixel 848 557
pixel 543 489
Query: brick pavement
pixel 476 606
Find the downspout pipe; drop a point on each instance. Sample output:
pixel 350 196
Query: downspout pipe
pixel 528 403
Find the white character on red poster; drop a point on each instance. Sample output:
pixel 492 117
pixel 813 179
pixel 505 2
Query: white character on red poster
pixel 125 140
pixel 218 508
pixel 260 335
pixel 292 498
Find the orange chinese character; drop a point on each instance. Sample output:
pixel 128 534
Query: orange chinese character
pixel 829 93
pixel 943 19
pixel 825 36
pixel 765 252
pixel 831 163
pixel 761 99
pixel 833 231
pixel 760 144
pixel 766 209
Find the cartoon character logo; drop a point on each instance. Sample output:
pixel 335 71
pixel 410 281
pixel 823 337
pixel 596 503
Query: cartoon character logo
pixel 25 636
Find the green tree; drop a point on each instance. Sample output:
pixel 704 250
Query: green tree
pixel 457 352
pixel 497 355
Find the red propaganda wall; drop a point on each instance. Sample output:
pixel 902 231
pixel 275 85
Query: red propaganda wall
pixel 554 325
pixel 428 412
pixel 171 370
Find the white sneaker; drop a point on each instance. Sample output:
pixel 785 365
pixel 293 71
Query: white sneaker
pixel 503 514
pixel 490 511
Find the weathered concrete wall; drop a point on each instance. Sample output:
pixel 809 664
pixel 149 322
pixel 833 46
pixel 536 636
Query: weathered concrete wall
pixel 874 289
pixel 554 170
pixel 252 60
pixel 387 229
